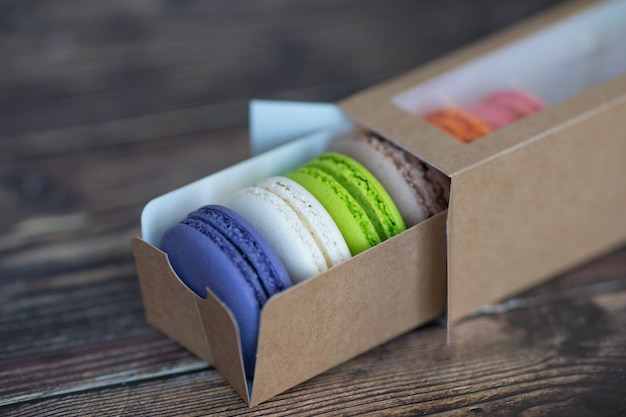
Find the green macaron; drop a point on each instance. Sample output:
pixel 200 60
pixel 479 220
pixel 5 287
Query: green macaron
pixel 360 206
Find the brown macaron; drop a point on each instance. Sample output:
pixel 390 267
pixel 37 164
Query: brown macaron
pixel 418 190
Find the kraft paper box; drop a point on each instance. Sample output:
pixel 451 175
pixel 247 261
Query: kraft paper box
pixel 526 203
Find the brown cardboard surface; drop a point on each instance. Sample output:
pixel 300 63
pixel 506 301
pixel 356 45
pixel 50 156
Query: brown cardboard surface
pixel 540 208
pixel 351 308
pixel 168 304
pixel 524 204
pixel 374 108
pixel 312 326
pixel 222 336
pixel 528 211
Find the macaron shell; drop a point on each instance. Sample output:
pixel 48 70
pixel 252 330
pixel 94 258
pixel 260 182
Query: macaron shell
pixel 520 102
pixel 277 222
pixel 418 190
pixel 270 271
pixel 460 124
pixel 352 220
pixel 313 217
pixel 200 262
pixel 367 191
pixel 495 116
pixel 504 107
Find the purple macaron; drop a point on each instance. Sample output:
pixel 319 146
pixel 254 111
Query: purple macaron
pixel 214 247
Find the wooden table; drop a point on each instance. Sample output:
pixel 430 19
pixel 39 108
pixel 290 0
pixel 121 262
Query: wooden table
pixel 106 105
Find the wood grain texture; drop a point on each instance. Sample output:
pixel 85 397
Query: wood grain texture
pixel 501 365
pixel 71 314
pixel 107 105
pixel 81 76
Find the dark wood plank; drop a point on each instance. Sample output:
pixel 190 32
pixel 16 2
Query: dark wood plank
pixel 562 359
pixel 77 77
pixel 117 180
pixel 71 315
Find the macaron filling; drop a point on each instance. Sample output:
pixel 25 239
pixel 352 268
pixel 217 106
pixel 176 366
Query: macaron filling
pixel 427 184
pixel 359 204
pixel 321 228
pixel 282 229
pixel 366 189
pixel 247 244
pixel 355 225
pixel 215 248
pixel 226 246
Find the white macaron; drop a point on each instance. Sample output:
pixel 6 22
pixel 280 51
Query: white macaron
pixel 294 223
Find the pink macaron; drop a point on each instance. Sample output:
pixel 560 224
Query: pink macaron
pixel 504 107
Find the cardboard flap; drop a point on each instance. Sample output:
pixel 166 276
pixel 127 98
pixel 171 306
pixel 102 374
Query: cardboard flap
pixel 273 123
pixel 351 308
pixel 555 56
pixel 169 305
pixel 222 335
pixel 507 234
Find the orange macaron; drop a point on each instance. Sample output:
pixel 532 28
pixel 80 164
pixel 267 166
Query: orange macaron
pixel 459 123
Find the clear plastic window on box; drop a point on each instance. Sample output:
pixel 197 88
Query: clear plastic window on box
pixel 538 71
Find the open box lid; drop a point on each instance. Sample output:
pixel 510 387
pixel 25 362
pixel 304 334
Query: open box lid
pixel 507 224
pixel 556 55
